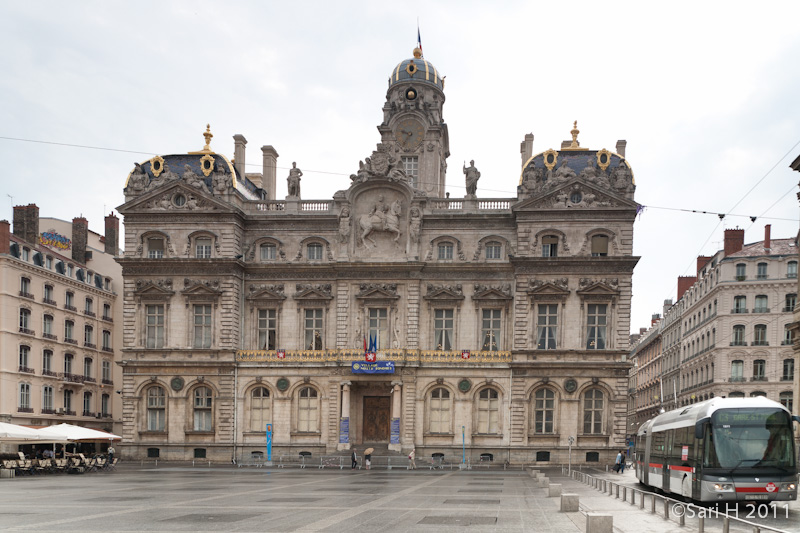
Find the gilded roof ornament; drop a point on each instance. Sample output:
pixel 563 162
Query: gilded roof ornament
pixel 207 148
pixel 417 53
pixel 575 145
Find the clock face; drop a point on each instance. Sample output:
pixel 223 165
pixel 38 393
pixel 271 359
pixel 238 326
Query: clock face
pixel 409 133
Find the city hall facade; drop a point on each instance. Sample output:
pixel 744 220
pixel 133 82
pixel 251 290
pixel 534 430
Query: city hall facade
pixel 499 326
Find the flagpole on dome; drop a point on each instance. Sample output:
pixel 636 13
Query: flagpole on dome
pixel 419 40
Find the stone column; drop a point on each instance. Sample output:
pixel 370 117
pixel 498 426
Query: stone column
pixel 394 439
pixel 344 419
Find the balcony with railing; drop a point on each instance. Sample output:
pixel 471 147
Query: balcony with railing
pixel 24 409
pixel 50 373
pixel 26 369
pixel 88 413
pixel 108 349
pixel 738 310
pixel 107 318
pixel 71 341
pixel 453 357
pixel 106 381
pixel 737 379
pixel 70 377
pixel 24 294
pixel 69 412
pixel 50 336
pixel 758 378
pixel 48 411
pixel 759 343
pixel 27 331
pixel 327 206
pixel 90 345
pixel 89 379
pixel 761 310
pixel 89 313
pixel 71 308
pixel 49 301
pixel 787 377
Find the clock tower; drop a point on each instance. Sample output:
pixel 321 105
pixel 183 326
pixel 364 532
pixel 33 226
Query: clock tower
pixel 413 125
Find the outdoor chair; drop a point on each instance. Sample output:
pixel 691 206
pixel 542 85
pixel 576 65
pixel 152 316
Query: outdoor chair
pixel 112 465
pixel 60 465
pixel 100 463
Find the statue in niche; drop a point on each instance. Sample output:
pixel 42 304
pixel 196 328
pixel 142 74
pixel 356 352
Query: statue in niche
pixel 414 223
pixel 294 180
pixel 380 219
pixel 471 176
pixel 622 179
pixel 344 224
pixel 220 183
pixel 191 179
pixel 138 181
pixel 563 173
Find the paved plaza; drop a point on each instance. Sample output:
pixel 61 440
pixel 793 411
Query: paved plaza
pixel 186 498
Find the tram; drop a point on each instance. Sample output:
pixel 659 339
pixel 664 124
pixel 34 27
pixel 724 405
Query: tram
pixel 722 449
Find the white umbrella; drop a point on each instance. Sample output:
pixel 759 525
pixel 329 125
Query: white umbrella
pixel 15 433
pixel 75 433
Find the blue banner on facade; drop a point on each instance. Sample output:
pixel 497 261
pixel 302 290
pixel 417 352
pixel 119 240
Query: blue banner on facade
pixel 344 430
pixel 380 367
pixel 395 437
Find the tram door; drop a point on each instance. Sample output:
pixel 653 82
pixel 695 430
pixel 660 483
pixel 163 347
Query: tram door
pixel 666 483
pixel 645 459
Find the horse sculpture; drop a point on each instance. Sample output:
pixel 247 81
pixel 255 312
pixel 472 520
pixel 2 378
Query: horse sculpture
pixel 380 220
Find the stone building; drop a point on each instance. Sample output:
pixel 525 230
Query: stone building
pixel 499 325
pixel 795 326
pixel 61 324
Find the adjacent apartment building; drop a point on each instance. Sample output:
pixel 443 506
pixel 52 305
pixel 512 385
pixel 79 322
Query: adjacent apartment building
pixel 60 325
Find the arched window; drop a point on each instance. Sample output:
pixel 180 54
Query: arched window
pixel 307 410
pixel 493 250
pixel 488 411
pixel 761 304
pixel 787 400
pixel 260 412
pixel 738 336
pixel 25 321
pixel 156 409
pixel 593 411
pixel 544 411
pixel 439 414
pixel 314 251
pixel 24 397
pixel 737 370
pixel 757 393
pixel 203 403
pixel 760 335
pixel 599 246
pixel 759 370
pixel 761 271
pixel 736 394
pixel 788 370
pixel 87 403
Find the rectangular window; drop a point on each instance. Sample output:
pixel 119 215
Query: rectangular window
pixel 202 326
pixel 547 326
pixel 790 303
pixel 25 321
pixel 106 371
pixel 24 396
pixel 740 304
pixel 313 329
pixel 599 246
pixel 47 399
pixel 154 326
pixel 759 369
pixel 741 272
pixel 87 403
pixel 88 336
pixel 48 295
pixel 69 300
pixel 411 166
pixel 69 330
pixel 490 329
pixel 760 335
pixel 47 326
pixel 104 405
pixel 596 326
pixel 445 251
pixel 155 248
pixel 268 252
pixel 379 328
pixel 156 409
pixel 24 357
pixel 87 367
pixel 106 340
pixel 788 370
pixel 443 329
pixel 68 363
pixel 314 252
pixel 47 361
pixel 737 370
pixel 761 304
pixel 67 400
pixel 493 250
pixel 87 307
pixel 791 269
pixel 106 312
pixel 202 248
pixel 761 271
pixel 267 329
pixel 550 246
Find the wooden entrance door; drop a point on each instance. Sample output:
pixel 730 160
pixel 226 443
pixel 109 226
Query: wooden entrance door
pixel 376 418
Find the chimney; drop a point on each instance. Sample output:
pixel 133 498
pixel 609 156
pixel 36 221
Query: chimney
pixel 734 241
pixel 5 236
pixel 684 284
pixel 621 147
pixel 238 154
pixel 112 235
pixel 767 243
pixel 80 236
pixel 526 148
pixel 642 331
pixel 655 318
pixel 26 222
pixel 667 305
pixel 269 171
pixel 702 260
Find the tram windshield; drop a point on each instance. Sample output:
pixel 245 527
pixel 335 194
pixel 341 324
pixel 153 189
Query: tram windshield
pixel 749 438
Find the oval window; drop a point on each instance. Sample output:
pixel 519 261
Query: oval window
pixel 180 200
pixel 576 197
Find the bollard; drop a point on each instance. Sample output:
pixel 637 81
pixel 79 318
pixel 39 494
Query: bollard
pixel 599 523
pixel 726 524
pixel 625 494
pixel 666 509
pixel 652 504
pixel 554 490
pixel 682 518
pixel 641 500
pixel 701 524
pixel 570 503
pixel 617 496
pixel 544 482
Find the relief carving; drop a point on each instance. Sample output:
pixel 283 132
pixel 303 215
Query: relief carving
pixel 366 288
pixel 380 218
pixel 609 282
pixel 561 283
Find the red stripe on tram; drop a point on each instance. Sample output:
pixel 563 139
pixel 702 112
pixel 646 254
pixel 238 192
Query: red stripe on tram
pixel 681 468
pixel 754 489
pixel 655 465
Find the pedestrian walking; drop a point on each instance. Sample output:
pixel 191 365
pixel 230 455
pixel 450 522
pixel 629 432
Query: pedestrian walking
pixel 622 462
pixel 617 466
pixel 412 465
pixel 368 457
pixel 353 460
pixel 110 452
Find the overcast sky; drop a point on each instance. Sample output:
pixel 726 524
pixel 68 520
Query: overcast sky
pixel 705 93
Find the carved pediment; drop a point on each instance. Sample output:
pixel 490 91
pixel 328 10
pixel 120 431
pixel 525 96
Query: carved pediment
pixel 557 289
pixel 267 293
pixel 377 291
pixel 488 293
pixel 153 289
pixel 575 194
pixel 313 291
pixel 199 289
pixel 444 292
pixel 168 198
pixel 601 289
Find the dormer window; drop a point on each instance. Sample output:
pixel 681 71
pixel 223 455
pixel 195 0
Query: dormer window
pixel 445 251
pixel 268 252
pixel 493 250
pixel 155 248
pixel 600 246
pixel 202 247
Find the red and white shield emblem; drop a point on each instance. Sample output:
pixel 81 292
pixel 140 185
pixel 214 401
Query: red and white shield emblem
pixel 465 354
pixel 771 487
pixel 370 357
pixel 281 354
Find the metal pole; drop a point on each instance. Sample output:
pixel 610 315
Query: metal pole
pixel 571 440
pixel 463 447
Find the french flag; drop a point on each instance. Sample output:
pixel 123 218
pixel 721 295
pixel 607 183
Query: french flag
pixel 419 41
